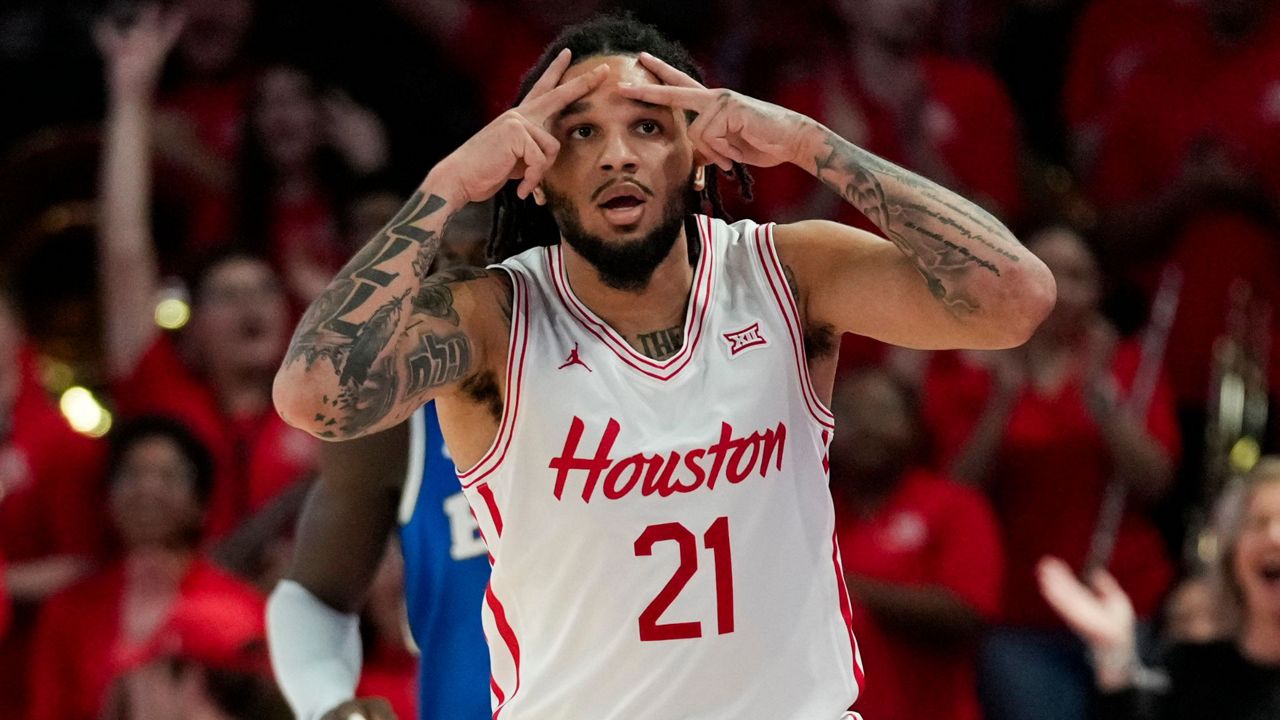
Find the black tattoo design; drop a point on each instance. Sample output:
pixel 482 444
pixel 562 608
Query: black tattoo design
pixel 339 327
pixel 662 344
pixel 435 298
pixel 440 361
pixel 919 230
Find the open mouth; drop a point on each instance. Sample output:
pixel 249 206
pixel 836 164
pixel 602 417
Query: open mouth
pixel 623 204
pixel 252 330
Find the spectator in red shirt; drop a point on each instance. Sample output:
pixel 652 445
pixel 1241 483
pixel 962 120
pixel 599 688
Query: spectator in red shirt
pixel 1114 41
pixel 208 661
pixel 1188 172
pixel 1044 429
pixel 304 153
pixel 202 111
pixel 159 479
pixel 947 119
pixel 921 556
pixel 218 379
pixel 52 528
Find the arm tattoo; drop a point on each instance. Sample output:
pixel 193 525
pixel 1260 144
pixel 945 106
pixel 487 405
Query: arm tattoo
pixel 662 344
pixel 371 380
pixel 945 236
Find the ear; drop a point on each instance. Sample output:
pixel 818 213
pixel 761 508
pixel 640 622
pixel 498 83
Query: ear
pixel 700 177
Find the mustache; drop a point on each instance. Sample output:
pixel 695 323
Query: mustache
pixel 614 181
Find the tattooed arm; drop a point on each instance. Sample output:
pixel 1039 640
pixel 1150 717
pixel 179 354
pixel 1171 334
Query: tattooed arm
pixel 951 275
pixel 384 337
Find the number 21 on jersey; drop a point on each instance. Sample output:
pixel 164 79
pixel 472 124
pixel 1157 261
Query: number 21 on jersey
pixel 715 540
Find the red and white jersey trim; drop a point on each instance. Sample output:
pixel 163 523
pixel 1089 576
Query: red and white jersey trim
pixel 517 346
pixel 781 292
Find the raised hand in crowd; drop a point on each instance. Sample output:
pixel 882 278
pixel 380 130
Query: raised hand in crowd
pixel 135 53
pixel 1100 613
pixel 134 56
pixel 356 133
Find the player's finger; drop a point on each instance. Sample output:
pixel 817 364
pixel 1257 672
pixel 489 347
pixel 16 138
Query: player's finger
pixel 666 73
pixel 542 108
pixel 550 148
pixel 702 138
pixel 551 76
pixel 534 160
pixel 684 98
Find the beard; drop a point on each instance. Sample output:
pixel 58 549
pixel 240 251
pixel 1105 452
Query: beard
pixel 626 265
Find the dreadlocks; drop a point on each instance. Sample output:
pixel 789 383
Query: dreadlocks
pixel 521 224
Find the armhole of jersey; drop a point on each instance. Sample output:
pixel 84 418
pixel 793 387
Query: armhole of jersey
pixel 517 344
pixel 780 289
pixel 416 465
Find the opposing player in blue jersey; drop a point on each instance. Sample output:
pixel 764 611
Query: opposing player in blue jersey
pixel 365 486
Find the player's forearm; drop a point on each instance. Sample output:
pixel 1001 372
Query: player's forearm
pixel 127 265
pixel 342 374
pixel 969 260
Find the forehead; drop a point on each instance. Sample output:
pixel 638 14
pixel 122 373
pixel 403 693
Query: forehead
pixel 237 270
pixel 622 68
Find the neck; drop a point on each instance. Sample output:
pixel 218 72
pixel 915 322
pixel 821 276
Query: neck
pixel 157 567
pixel 660 304
pixel 1260 641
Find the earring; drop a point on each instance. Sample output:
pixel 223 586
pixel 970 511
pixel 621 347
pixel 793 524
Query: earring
pixel 538 196
pixel 699 184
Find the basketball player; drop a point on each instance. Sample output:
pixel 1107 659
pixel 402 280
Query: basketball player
pixel 660 525
pixel 365 486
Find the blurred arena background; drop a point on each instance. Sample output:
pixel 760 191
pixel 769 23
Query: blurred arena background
pixel 1137 142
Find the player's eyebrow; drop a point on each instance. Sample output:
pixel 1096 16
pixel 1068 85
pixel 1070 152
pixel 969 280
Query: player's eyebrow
pixel 581 106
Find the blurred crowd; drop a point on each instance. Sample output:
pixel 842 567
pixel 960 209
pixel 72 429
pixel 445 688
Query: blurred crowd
pixel 176 186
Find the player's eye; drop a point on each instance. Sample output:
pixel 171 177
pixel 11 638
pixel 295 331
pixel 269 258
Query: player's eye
pixel 581 132
pixel 648 127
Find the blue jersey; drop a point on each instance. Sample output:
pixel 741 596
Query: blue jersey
pixel 446 571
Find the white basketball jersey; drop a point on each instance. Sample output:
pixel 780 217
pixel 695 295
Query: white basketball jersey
pixel 662 533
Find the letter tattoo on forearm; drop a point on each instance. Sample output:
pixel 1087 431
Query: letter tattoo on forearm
pixel 340 327
pixel 945 236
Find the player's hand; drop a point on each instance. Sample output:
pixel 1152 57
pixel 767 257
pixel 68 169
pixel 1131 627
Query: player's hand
pixel 1101 615
pixel 730 126
pixel 134 54
pixel 517 144
pixel 362 709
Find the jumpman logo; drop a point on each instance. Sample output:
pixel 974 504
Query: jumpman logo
pixel 574 359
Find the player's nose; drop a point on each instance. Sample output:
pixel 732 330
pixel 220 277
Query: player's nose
pixel 617 154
